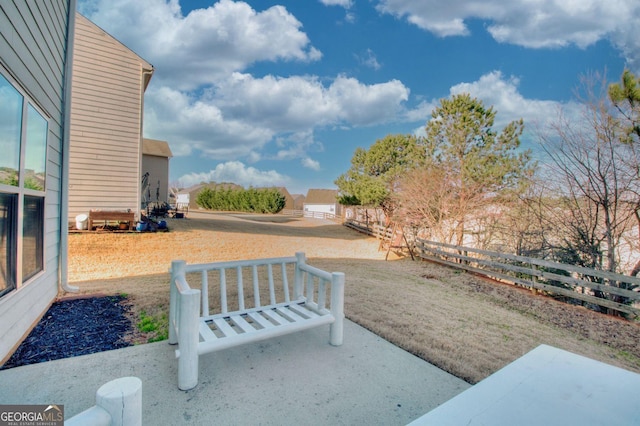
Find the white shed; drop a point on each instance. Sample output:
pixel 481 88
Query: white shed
pixel 322 203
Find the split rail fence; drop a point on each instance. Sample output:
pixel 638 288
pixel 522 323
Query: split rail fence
pixel 606 289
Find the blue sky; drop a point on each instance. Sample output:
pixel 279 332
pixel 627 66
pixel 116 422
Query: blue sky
pixel 265 93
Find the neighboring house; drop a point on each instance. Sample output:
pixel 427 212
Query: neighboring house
pixel 322 203
pixel 298 201
pixel 155 171
pixel 109 81
pixel 36 41
pixel 288 199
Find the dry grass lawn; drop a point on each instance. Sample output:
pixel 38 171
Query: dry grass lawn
pixel 462 323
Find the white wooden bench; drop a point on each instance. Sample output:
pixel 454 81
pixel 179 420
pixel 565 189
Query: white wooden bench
pixel 263 307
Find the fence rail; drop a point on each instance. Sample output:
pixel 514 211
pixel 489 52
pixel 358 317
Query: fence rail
pixel 321 215
pixel 292 212
pixel 610 290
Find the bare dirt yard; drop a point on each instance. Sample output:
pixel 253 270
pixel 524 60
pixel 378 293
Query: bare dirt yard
pixel 464 324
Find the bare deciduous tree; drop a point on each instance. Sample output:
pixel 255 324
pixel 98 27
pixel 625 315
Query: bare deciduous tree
pixel 592 181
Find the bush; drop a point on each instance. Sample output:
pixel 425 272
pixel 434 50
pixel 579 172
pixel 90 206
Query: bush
pixel 241 200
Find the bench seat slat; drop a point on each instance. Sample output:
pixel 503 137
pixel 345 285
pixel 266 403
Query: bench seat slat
pixel 275 317
pixel 243 324
pixel 224 327
pixel 303 311
pixel 206 333
pixel 288 313
pixel 260 320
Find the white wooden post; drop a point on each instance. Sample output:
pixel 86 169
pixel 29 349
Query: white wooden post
pixel 188 339
pixel 118 403
pixel 177 269
pixel 122 398
pixel 337 308
pixel 298 278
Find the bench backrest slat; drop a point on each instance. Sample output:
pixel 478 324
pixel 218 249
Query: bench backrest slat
pixel 256 286
pixel 223 291
pixel 205 292
pixel 240 289
pixel 285 283
pixel 272 290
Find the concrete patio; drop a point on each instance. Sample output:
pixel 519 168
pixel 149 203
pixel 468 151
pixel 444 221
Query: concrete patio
pixel 292 380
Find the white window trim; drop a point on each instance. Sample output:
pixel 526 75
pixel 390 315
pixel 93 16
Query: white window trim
pixel 21 191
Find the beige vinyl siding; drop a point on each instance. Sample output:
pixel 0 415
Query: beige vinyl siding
pixel 33 40
pixel 106 123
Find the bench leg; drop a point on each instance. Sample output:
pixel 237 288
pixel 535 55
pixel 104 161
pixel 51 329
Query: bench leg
pixel 188 339
pixel 337 308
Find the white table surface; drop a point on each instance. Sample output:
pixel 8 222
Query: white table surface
pixel 547 386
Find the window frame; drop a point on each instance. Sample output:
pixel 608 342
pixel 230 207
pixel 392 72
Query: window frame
pixel 21 191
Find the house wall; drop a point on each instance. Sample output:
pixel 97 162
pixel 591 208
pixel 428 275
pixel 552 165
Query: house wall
pixel 106 123
pixel 309 209
pixel 33 47
pixel 158 169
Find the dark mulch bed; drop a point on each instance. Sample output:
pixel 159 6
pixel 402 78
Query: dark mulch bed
pixel 76 327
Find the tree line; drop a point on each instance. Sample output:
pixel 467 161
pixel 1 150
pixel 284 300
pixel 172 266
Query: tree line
pixel 252 200
pixel 466 183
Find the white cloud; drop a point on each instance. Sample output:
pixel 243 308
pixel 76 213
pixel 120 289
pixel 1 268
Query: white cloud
pixel 344 3
pixel 369 59
pixel 192 124
pixel 310 163
pixel 502 93
pixel 361 104
pixel 239 116
pixel 238 173
pixel 533 24
pixel 201 100
pixel 206 44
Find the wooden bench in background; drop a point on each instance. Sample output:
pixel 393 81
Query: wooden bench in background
pixel 271 308
pixel 114 215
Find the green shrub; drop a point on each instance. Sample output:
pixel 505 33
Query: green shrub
pixel 251 200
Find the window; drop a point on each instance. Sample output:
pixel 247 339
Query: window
pixel 23 148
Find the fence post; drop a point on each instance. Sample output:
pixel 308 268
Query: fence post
pixel 337 308
pixel 177 269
